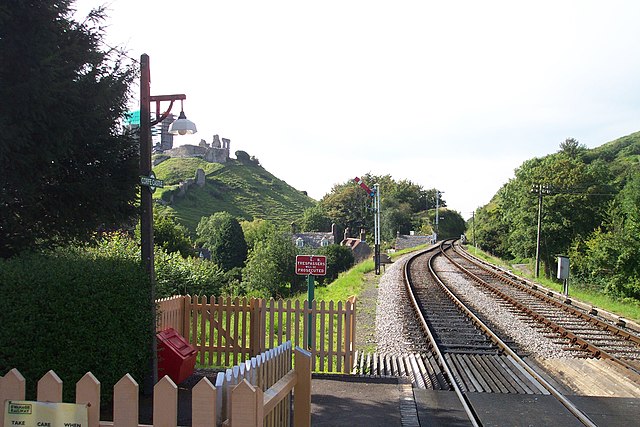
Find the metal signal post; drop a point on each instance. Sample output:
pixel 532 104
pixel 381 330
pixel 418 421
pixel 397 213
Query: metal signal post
pixel 376 213
pixel 375 198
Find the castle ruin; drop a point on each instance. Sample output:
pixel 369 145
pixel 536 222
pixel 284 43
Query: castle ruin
pixel 216 152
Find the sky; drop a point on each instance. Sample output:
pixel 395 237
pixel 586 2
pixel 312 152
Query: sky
pixel 453 95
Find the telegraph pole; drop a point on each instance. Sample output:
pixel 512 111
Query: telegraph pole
pixel 438 194
pixel 474 229
pixel 540 189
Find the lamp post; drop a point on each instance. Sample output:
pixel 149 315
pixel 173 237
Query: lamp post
pixel 148 183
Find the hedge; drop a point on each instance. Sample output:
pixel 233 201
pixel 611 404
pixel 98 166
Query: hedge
pixel 75 310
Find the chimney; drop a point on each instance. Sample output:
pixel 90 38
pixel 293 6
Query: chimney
pixel 362 234
pixel 346 233
pixel 294 228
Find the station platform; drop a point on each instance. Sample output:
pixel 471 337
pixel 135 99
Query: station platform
pixel 341 400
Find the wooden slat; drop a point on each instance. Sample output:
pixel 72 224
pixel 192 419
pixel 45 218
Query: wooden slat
pixel 88 393
pixel 494 370
pixel 125 402
pixel 466 382
pixel 478 367
pixel 320 349
pixel 12 387
pixel 247 409
pixel 165 403
pixel 50 388
pixel 338 340
pixel 203 404
pixel 522 383
pixel 426 377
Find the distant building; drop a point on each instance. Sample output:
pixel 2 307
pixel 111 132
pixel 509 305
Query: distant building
pixel 313 240
pixel 359 247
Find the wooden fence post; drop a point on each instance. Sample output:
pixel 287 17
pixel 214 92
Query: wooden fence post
pixel 125 402
pixel 88 393
pixel 185 315
pixel 350 333
pixel 50 388
pixel 253 329
pixel 203 404
pixel 12 387
pixel 247 405
pixel 165 403
pixel 302 390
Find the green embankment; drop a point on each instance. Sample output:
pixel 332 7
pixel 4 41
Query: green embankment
pixel 245 190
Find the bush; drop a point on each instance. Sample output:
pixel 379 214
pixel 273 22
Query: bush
pixel 75 310
pixel 176 275
pixel 339 259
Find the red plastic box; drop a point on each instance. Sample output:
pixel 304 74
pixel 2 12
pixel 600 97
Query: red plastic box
pixel 176 357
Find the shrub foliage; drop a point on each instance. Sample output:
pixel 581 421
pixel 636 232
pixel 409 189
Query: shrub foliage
pixel 75 310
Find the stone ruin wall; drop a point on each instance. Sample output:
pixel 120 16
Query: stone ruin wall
pixel 216 152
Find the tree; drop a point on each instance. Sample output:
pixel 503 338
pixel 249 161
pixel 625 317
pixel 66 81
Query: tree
pixel 171 236
pixel 572 148
pixel 222 234
pixel 348 206
pixel 256 231
pixel 395 218
pixel 450 224
pixel 608 258
pixel 315 219
pixel 73 168
pixel 270 269
pixel 491 231
pixel 339 259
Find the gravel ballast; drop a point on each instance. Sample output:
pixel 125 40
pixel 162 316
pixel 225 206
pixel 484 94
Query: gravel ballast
pixel 395 320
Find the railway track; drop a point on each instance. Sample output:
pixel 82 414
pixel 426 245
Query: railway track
pixel 584 333
pixel 464 354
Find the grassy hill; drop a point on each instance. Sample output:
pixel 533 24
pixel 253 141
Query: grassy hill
pixel 245 190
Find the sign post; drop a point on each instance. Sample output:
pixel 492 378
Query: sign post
pixel 151 181
pixel 311 265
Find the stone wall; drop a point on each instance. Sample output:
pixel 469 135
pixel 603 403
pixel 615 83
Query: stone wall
pixel 184 186
pixel 216 152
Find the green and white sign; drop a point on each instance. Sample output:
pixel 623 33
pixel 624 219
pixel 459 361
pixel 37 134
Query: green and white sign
pixel 151 182
pixel 44 414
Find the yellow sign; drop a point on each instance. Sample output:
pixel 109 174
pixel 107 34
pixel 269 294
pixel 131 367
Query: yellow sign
pixel 44 414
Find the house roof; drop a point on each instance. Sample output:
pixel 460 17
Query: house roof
pixel 313 239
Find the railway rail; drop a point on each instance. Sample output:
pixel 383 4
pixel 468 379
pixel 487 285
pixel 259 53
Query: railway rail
pixel 463 353
pixel 586 334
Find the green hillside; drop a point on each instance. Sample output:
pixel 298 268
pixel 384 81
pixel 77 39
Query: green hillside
pixel 246 190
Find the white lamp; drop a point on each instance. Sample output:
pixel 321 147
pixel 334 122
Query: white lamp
pixel 182 126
